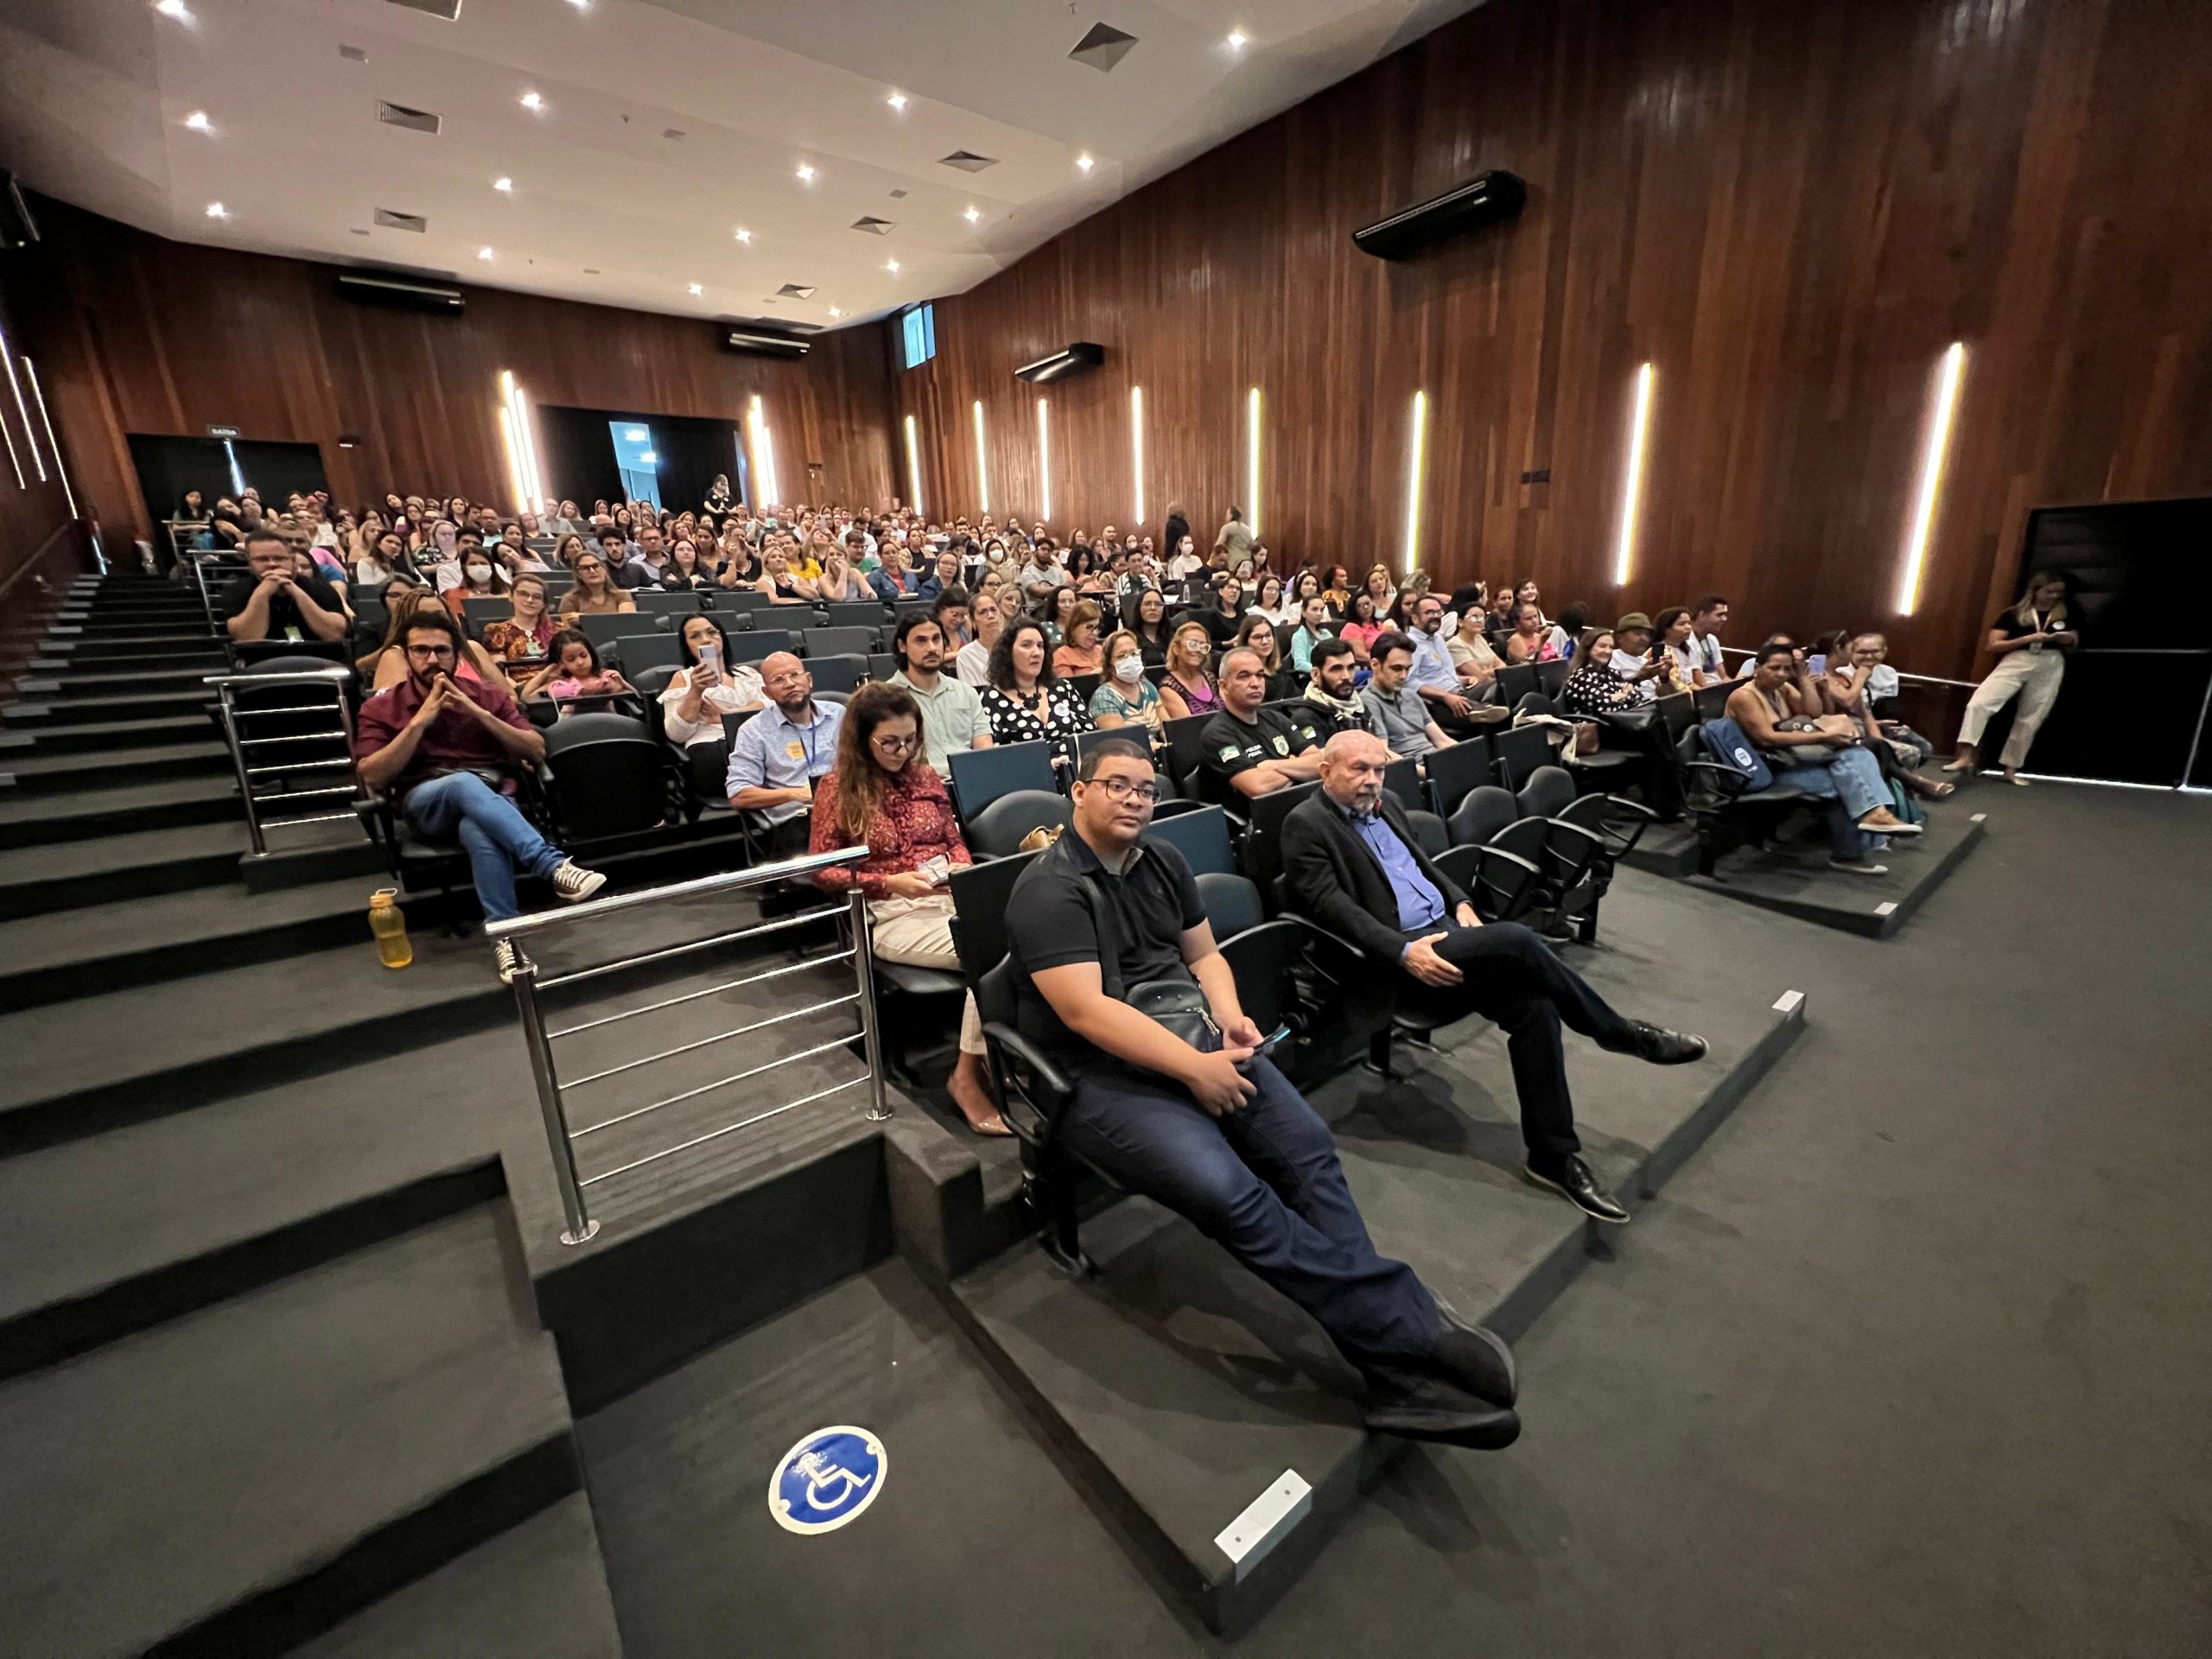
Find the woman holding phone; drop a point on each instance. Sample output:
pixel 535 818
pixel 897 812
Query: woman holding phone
pixel 2030 642
pixel 884 795
pixel 698 694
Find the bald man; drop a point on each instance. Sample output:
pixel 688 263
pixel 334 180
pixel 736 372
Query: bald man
pixel 1358 870
pixel 781 751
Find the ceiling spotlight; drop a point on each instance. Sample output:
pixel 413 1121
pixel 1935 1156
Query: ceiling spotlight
pixel 744 235
pixel 1236 40
pixel 483 253
pixel 806 173
pixel 696 290
pixel 1084 161
pixel 580 5
pixel 896 100
pixel 532 101
pixel 172 8
pixel 198 122
pixel 972 214
pixel 216 210
pixel 505 186
pixel 834 312
pixel 891 265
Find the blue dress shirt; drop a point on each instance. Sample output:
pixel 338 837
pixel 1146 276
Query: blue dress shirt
pixel 1419 905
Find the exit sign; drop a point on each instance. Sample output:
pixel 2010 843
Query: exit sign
pixel 222 431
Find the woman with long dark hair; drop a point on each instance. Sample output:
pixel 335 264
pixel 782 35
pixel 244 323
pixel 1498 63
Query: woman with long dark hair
pixel 884 795
pixel 2029 641
pixel 1147 623
pixel 1025 703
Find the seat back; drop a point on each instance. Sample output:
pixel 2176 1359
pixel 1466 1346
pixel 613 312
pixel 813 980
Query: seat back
pixel 1518 753
pixel 1680 713
pixel 981 775
pixel 758 645
pixel 1082 742
pixel 1551 676
pixel 842 642
pixel 1536 702
pixel 1711 702
pixel 1201 835
pixel 477 611
pixel 1232 905
pixel 998 830
pixel 1403 779
pixel 747 601
pixel 1183 748
pixel 1262 852
pixel 598 727
pixel 1514 681
pixel 633 653
pixel 1481 814
pixel 667 605
pixel 845 674
pixel 603 630
pixel 1430 831
pixel 613 786
pixel 869 613
pixel 1548 792
pixel 981 894
pixel 1454 771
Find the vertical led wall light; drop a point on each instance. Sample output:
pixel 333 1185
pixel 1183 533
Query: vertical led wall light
pixel 1136 453
pixel 1045 461
pixel 1948 376
pixel 8 357
pixel 913 466
pixel 1412 478
pixel 522 447
pixel 983 462
pixel 1252 459
pixel 764 452
pixel 38 395
pixel 1639 427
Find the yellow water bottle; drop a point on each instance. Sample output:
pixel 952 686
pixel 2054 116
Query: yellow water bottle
pixel 390 928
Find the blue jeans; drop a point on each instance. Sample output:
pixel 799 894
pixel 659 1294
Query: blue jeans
pixel 1855 778
pixel 491 832
pixel 1263 1181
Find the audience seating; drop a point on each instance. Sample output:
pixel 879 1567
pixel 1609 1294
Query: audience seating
pixel 1711 702
pixel 1453 771
pixel 475 612
pixel 1724 811
pixel 635 653
pixel 759 643
pixel 840 642
pixel 881 665
pixel 668 605
pixel 1403 779
pixel 728 602
pixel 1519 752
pixel 981 775
pixel 1514 681
pixel 1606 763
pixel 846 673
pixel 1263 851
pixel 997 831
pixel 1551 678
pixel 603 630
pixel 1201 835
pixel 604 782
pixel 871 613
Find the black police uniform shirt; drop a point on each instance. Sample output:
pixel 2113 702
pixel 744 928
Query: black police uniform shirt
pixel 1052 921
pixel 1228 745
pixel 284 620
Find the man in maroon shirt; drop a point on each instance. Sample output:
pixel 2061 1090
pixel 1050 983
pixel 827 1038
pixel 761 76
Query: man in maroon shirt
pixel 446 748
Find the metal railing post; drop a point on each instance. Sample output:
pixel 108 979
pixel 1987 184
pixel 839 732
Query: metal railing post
pixel 237 762
pixel 871 1038
pixel 581 1225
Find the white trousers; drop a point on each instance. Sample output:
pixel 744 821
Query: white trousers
pixel 918 933
pixel 2033 676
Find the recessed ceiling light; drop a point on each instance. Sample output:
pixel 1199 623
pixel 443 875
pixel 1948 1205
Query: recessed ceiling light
pixel 744 235
pixel 175 9
pixel 834 312
pixel 696 290
pixel 891 265
pixel 532 101
pixel 580 5
pixel 1084 161
pixel 198 122
pixel 505 186
pixel 806 173
pixel 896 100
pixel 972 214
pixel 483 253
pixel 216 210
pixel 1236 40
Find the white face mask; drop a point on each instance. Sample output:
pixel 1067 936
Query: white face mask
pixel 1129 668
pixel 480 576
pixel 997 556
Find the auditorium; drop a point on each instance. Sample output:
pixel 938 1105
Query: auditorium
pixel 974 828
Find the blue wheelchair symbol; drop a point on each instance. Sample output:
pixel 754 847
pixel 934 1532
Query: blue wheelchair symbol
pixel 827 1479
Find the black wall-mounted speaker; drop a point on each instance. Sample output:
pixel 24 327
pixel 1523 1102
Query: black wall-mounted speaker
pixel 1483 200
pixel 17 228
pixel 760 344
pixel 1075 358
pixel 400 294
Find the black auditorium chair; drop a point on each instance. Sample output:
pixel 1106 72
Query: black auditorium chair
pixel 1455 770
pixel 732 602
pixel 1711 702
pixel 842 642
pixel 997 831
pixel 1514 681
pixel 1551 678
pixel 638 654
pixel 1182 743
pixel 1486 857
pixel 1576 868
pixel 758 644
pixel 1724 811
pixel 477 611
pixel 610 776
pixel 1403 779
pixel 603 630
pixel 881 665
pixel 1201 835
pixel 844 672
pixel 1263 848
pixel 1518 753
pixel 869 613
pixel 981 775
pixel 667 608
pixel 1607 767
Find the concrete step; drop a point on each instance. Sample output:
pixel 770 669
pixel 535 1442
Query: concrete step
pixel 270 1466
pixel 35 716
pixel 136 864
pixel 24 773
pixel 90 685
pixel 35 818
pixel 88 737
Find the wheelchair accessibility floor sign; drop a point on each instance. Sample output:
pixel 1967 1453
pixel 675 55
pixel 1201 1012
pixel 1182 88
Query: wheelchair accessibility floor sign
pixel 827 1479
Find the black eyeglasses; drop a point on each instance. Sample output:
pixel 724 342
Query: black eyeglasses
pixel 1122 789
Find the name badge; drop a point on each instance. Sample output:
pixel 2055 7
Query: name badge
pixel 795 749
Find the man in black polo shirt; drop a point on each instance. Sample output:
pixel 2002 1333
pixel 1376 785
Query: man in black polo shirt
pixel 1247 749
pixel 1221 1137
pixel 270 602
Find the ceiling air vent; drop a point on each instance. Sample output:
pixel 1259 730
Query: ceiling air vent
pixel 386 220
pixel 398 115
pixel 873 225
pixel 796 291
pixel 673 132
pixel 1103 47
pixel 449 10
pixel 353 53
pixel 968 160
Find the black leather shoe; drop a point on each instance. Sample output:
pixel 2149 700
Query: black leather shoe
pixel 1475 1358
pixel 1659 1046
pixel 1422 1407
pixel 1575 1183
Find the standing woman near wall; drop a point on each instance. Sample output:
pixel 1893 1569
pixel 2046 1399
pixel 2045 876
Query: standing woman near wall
pixel 2031 641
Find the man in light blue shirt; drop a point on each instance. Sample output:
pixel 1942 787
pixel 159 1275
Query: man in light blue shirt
pixel 781 751
pixel 1432 676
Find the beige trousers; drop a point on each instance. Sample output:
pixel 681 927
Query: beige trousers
pixel 2034 675
pixel 918 933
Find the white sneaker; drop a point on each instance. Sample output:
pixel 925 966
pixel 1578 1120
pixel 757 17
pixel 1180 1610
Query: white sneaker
pixel 572 883
pixel 503 954
pixel 1858 866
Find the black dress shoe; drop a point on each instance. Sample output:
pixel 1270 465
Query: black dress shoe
pixel 1423 1408
pixel 1658 1045
pixel 1574 1182
pixel 1475 1358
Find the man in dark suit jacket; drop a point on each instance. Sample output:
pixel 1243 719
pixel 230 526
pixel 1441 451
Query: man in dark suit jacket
pixel 1357 870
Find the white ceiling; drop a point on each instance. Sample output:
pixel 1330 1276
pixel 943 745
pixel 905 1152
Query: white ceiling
pixel 94 96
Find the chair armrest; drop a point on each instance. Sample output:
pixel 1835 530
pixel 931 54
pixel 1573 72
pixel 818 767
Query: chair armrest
pixel 1637 808
pixel 1054 1081
pixel 1725 781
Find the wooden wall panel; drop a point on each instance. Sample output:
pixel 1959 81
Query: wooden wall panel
pixel 1789 210
pixel 136 333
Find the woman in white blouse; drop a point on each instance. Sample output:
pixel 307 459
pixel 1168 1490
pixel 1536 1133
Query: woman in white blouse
pixel 706 688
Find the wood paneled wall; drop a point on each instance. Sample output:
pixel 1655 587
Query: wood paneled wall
pixel 1789 210
pixel 136 333
pixel 32 509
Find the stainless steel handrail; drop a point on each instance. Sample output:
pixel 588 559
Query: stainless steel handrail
pixel 561 1138
pixel 331 682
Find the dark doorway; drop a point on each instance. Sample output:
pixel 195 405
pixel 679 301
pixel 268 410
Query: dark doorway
pixel 582 465
pixel 2136 692
pixel 168 467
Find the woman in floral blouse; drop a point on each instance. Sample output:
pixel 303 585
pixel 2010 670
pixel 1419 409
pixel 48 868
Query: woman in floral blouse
pixel 884 796
pixel 1025 704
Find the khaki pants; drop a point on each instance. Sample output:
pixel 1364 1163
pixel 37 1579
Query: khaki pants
pixel 2033 676
pixel 918 933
